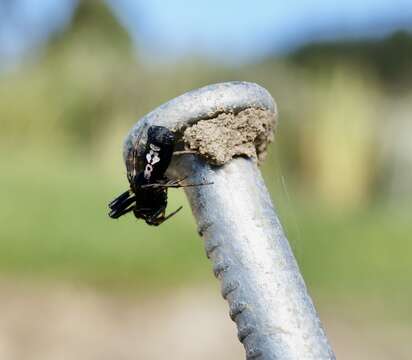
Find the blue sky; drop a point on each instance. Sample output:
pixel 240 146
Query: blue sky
pixel 229 30
pixel 28 23
pixel 247 29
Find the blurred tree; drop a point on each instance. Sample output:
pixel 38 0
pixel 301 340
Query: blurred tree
pixel 87 58
pixel 339 143
pixel 93 20
pixel 390 58
pixel 69 92
pixel 25 26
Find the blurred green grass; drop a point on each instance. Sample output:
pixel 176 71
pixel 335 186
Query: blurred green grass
pixel 338 171
pixel 55 226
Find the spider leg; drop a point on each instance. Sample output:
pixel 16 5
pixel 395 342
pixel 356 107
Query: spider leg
pixel 190 185
pixel 155 220
pixel 122 206
pixel 134 172
pixel 121 198
pixel 173 183
pixel 131 162
pixel 157 217
pixel 116 213
pixel 173 213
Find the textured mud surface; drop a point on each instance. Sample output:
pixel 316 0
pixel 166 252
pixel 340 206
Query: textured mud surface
pixel 228 135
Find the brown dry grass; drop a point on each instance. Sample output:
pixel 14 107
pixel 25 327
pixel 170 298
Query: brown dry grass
pixel 65 322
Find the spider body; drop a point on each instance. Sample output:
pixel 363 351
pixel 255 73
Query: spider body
pixel 147 196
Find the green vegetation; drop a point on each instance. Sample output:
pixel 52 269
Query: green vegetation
pixel 55 227
pixel 55 224
pixel 62 121
pixel 388 58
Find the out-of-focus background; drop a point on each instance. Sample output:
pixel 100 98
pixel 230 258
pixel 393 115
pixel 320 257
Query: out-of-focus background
pixel 76 75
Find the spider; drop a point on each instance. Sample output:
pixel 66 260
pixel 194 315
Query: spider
pixel 147 196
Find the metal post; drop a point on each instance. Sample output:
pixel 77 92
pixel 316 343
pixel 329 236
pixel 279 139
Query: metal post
pixel 243 237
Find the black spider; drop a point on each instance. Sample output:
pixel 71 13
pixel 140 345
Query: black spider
pixel 147 196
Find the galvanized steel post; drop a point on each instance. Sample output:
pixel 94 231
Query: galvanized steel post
pixel 243 237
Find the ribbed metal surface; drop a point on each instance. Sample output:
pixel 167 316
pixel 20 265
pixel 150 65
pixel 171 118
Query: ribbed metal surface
pixel 252 258
pixel 243 237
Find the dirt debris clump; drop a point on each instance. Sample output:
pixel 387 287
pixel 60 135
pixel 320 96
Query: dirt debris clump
pixel 228 135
